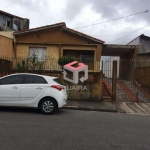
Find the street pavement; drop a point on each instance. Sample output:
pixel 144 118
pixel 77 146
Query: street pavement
pixel 121 107
pixel 28 129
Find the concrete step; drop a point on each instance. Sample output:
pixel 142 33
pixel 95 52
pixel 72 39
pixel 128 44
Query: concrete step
pixel 105 93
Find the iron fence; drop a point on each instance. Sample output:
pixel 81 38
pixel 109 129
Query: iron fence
pixel 133 79
pixel 23 63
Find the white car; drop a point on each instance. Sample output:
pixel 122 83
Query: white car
pixel 32 90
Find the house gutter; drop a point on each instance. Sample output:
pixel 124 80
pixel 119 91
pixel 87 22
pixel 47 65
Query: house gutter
pixel 14 47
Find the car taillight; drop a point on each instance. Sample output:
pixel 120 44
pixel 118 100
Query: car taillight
pixel 58 87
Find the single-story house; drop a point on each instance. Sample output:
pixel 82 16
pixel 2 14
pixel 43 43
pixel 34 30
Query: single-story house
pixel 54 41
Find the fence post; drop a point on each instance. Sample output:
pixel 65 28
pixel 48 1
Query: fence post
pixel 102 66
pixel 114 80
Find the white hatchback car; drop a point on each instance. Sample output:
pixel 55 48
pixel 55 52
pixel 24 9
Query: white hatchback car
pixel 32 90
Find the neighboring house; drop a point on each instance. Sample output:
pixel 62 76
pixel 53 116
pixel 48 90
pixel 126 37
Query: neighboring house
pixel 54 41
pixel 6 49
pixel 6 44
pixel 9 22
pixel 143 43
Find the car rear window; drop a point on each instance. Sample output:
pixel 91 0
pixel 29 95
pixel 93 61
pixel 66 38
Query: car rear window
pixel 58 81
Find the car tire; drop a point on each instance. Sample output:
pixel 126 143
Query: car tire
pixel 48 106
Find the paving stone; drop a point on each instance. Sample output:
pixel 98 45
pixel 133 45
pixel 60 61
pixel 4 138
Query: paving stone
pixel 145 106
pixel 127 91
pixel 135 109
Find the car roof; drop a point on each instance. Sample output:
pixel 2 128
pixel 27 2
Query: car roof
pixel 30 74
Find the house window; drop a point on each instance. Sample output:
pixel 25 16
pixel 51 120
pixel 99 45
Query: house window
pixel 2 19
pixel 8 23
pixel 15 27
pixel 40 52
pixel 87 59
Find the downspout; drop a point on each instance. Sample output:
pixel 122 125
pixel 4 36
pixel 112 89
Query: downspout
pixel 14 46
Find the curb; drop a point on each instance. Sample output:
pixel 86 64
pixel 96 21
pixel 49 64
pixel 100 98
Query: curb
pixel 90 109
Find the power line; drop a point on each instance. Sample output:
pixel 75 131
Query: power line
pixel 146 11
pixel 141 33
pixel 128 34
pixel 146 31
pixel 112 34
pixel 116 34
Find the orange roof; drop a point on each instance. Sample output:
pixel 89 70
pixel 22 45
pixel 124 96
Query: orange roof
pixel 63 25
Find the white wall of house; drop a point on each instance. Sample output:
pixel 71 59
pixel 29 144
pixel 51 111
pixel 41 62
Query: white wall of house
pixel 108 67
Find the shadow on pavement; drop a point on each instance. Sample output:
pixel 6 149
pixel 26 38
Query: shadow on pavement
pixel 27 110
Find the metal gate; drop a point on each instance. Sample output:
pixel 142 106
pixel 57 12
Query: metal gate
pixel 127 80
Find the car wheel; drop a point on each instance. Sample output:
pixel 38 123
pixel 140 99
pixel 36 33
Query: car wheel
pixel 47 106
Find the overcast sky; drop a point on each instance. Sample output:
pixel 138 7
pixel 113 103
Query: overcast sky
pixel 78 13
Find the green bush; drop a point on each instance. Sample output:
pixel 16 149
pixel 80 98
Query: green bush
pixel 22 66
pixel 65 60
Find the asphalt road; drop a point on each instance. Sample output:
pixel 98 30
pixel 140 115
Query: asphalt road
pixel 27 129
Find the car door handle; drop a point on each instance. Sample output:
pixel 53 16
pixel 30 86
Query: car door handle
pixel 14 87
pixel 39 88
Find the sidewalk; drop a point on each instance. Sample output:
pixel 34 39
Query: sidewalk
pixel 120 107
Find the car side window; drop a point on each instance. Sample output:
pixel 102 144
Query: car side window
pixel 32 79
pixel 14 79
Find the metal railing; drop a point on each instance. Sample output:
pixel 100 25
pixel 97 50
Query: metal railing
pixel 133 79
pixel 24 63
pixel 21 63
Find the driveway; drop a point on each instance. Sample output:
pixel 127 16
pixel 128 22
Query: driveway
pixel 27 129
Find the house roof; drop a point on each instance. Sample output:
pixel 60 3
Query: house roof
pixel 6 13
pixel 39 28
pixel 147 54
pixel 142 35
pixel 117 50
pixel 8 34
pixel 83 35
pixel 63 26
